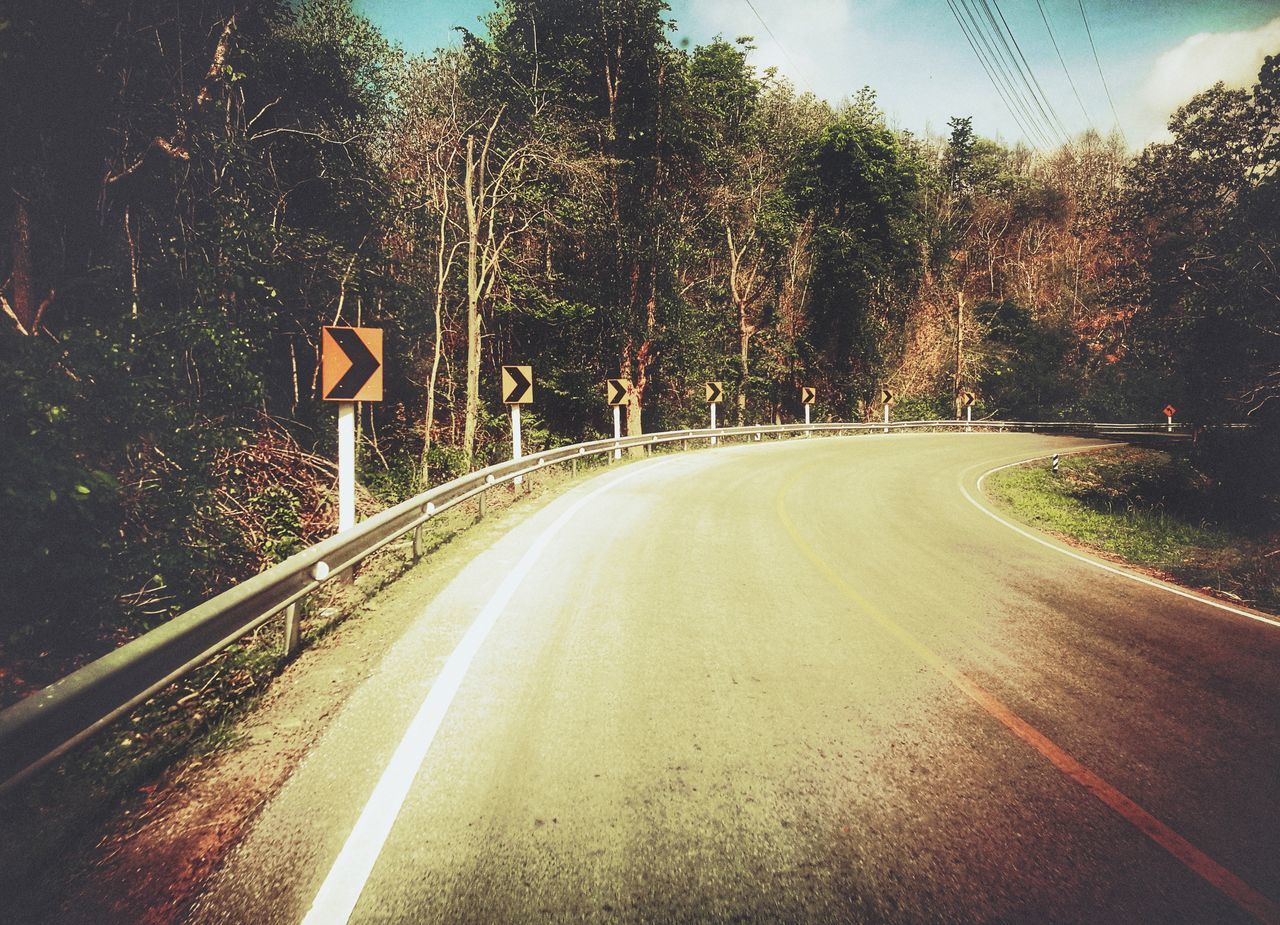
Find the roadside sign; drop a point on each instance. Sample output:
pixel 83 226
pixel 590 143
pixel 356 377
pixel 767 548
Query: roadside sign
pixel 808 395
pixel 886 397
pixel 1170 411
pixel 618 391
pixel 517 385
pixel 967 398
pixel 715 391
pixel 350 364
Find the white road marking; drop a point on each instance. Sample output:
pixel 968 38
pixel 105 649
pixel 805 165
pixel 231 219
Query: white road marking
pixel 345 882
pixel 1088 560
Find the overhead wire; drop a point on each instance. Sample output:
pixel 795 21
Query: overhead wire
pixel 991 75
pixel 1030 123
pixel 1065 70
pixel 782 48
pixel 1028 73
pixel 1089 32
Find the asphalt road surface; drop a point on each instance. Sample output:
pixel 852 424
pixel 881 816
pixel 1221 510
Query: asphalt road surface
pixel 807 681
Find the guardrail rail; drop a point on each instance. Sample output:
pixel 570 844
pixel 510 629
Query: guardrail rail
pixel 41 728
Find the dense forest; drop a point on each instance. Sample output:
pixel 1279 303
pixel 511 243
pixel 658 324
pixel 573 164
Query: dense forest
pixel 190 191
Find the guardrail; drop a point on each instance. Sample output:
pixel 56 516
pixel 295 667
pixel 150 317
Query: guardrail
pixel 44 726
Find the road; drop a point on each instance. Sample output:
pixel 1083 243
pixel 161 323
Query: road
pixel 806 681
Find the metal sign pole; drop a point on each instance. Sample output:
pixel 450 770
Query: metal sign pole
pixel 968 414
pixel 713 421
pixel 516 451
pixel 1169 428
pixel 346 465
pixel 886 417
pixel 806 415
pixel 617 429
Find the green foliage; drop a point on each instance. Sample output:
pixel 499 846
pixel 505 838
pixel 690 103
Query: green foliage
pixel 1148 507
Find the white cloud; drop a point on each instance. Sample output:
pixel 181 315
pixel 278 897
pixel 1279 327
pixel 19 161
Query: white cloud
pixel 1202 60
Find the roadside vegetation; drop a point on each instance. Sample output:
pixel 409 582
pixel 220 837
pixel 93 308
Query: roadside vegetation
pixel 51 824
pixel 1162 510
pixel 189 192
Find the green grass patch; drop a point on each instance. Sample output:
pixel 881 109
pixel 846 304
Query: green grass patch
pixel 1148 507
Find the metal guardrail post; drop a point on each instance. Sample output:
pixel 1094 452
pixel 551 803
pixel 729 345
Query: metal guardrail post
pixel 292 629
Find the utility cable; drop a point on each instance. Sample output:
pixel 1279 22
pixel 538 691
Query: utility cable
pixel 1027 133
pixel 1065 70
pixel 782 48
pixel 1025 73
pixel 1089 32
pixel 1001 68
pixel 1031 125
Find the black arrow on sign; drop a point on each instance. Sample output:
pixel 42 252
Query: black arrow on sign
pixel 617 391
pixel 363 365
pixel 807 395
pixel 714 391
pixel 519 387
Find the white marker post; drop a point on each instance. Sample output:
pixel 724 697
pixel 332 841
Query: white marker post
pixel 886 417
pixel 617 429
pixel 346 465
pixel 713 421
pixel 1169 423
pixel 806 415
pixel 516 450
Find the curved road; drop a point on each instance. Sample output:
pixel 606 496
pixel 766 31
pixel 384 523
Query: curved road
pixel 808 681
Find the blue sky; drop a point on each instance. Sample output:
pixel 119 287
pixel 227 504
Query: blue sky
pixel 1155 55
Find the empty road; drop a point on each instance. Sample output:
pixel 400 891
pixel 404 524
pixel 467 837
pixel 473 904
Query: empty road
pixel 804 681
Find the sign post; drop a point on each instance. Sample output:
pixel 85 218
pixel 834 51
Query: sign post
pixel 350 372
pixel 618 393
pixel 967 399
pixel 886 399
pixel 1169 412
pixel 715 391
pixel 517 390
pixel 808 395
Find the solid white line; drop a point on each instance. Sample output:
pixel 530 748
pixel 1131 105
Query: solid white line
pixel 350 871
pixel 1141 579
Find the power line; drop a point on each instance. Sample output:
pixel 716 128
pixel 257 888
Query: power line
pixel 1005 67
pixel 991 75
pixel 782 48
pixel 1030 72
pixel 1053 38
pixel 1084 16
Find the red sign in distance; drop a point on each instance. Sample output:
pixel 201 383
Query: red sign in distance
pixel 1169 411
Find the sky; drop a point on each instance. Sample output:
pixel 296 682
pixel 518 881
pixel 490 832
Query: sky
pixel 1154 54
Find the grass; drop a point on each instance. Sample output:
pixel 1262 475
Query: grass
pixel 1148 507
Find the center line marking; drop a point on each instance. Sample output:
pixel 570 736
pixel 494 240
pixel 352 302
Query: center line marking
pixel 346 880
pixel 1232 886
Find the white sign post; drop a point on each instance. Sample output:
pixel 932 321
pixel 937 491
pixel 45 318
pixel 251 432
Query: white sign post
pixel 617 429
pixel 806 415
pixel 346 465
pixel 886 417
pixel 713 421
pixel 516 449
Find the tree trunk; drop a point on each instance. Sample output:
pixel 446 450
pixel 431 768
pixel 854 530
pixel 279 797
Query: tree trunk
pixel 473 311
pixel 429 422
pixel 744 341
pixel 24 303
pixel 959 377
